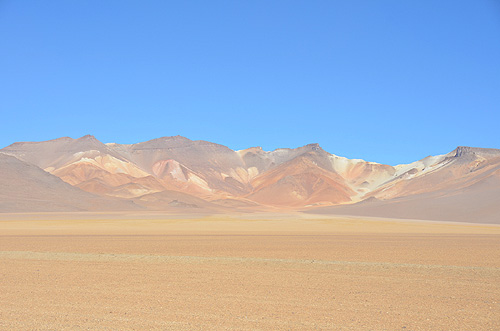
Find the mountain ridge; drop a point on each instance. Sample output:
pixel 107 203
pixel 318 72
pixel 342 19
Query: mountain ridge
pixel 302 178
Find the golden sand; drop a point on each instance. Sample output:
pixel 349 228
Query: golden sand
pixel 246 272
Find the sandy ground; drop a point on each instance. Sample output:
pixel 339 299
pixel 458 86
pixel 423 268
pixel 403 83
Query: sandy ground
pixel 255 272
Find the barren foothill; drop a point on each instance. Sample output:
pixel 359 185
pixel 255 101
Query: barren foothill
pixel 179 175
pixel 263 271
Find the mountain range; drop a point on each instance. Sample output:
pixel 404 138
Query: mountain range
pixel 178 174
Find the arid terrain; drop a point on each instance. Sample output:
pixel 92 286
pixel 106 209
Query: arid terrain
pixel 179 175
pixel 146 271
pixel 250 165
pixel 191 235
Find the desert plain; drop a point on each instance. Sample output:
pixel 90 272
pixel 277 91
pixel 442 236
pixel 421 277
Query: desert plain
pixel 261 271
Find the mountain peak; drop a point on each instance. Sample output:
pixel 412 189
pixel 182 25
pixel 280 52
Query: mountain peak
pixel 177 137
pixel 314 146
pixel 465 150
pixel 87 137
pixel 168 139
pixel 287 177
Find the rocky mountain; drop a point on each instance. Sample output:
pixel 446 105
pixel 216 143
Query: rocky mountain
pixel 173 173
pixel 463 185
pixel 26 187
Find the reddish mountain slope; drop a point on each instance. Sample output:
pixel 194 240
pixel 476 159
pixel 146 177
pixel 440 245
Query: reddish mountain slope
pixel 27 188
pixel 175 172
pixel 301 181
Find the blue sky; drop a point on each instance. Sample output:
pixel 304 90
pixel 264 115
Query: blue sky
pixel 386 81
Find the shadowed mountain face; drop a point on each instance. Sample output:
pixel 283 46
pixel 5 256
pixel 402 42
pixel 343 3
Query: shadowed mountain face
pixel 174 173
pixel 25 187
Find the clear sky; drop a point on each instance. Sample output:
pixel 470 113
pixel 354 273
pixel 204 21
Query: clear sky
pixel 386 81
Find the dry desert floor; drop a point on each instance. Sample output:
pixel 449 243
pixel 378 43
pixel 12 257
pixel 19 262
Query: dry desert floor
pixel 246 272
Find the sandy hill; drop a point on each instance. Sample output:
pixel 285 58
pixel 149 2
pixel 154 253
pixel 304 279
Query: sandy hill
pixel 176 172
